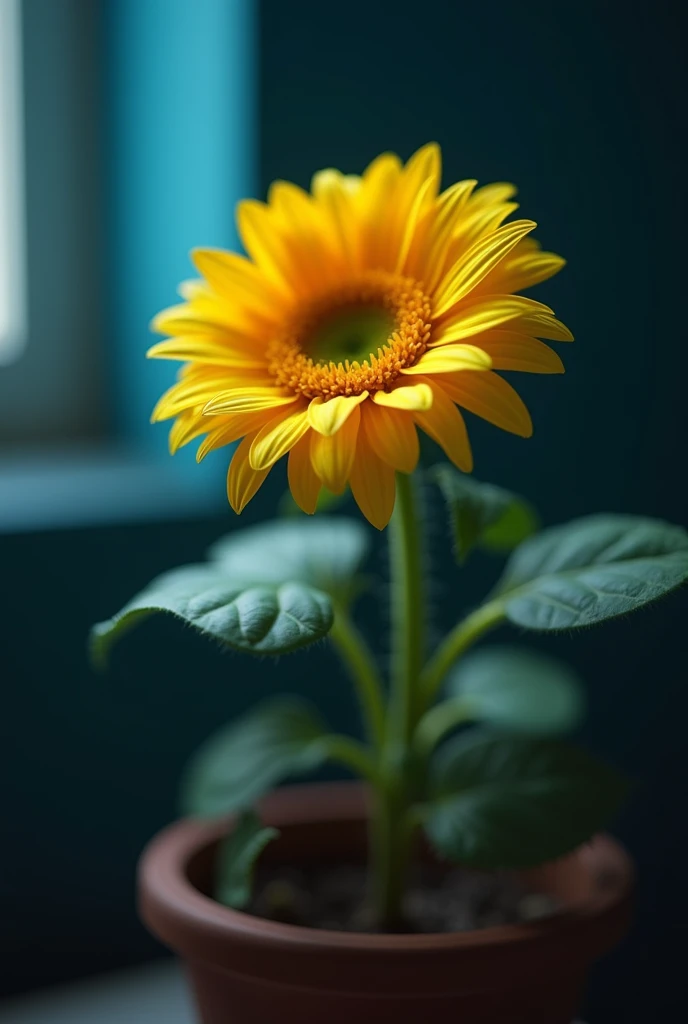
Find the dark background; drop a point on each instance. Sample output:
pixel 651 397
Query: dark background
pixel 583 106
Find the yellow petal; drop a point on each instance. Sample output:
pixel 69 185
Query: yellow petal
pixel 242 480
pixel 314 245
pixel 476 224
pixel 214 316
pixel 491 397
pixel 373 484
pixel 230 429
pixel 384 169
pixel 233 275
pixel 375 204
pixel 392 435
pixel 425 163
pixel 454 198
pixel 542 326
pixel 437 228
pixel 406 396
pixel 412 219
pixel 445 425
pixel 239 376
pixel 277 437
pixel 334 194
pixel 480 259
pixel 512 351
pixel 327 417
pixel 495 192
pixel 484 315
pixel 217 438
pixel 447 358
pixel 207 349
pixel 192 289
pixel 264 244
pixel 389 224
pixel 416 192
pixel 332 457
pixel 183 395
pixel 247 399
pixel 185 319
pixel 522 269
pixel 304 482
pixel 532 268
pixel 186 427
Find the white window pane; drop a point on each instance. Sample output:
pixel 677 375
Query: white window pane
pixel 12 295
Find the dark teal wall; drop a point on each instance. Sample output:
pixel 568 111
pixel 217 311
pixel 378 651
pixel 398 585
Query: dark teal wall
pixel 90 763
pixel 580 104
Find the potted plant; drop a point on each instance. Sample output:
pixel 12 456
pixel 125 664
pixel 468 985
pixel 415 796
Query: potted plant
pixel 365 309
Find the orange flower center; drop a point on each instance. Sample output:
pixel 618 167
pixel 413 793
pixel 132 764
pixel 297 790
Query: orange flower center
pixel 357 338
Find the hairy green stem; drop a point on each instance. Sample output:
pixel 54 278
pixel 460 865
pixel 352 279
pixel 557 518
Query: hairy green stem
pixel 456 643
pixel 437 722
pixel 364 672
pixel 354 755
pixel 390 832
pixel 408 610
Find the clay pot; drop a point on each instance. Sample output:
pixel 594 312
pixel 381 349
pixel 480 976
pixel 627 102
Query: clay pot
pixel 245 970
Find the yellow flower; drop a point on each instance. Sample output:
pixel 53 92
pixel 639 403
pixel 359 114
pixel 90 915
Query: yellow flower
pixel 367 308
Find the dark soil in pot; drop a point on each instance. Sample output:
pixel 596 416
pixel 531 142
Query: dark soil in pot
pixel 437 900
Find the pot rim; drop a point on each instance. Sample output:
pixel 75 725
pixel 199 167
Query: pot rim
pixel 166 893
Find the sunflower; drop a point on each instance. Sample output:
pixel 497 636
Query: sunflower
pixel 365 309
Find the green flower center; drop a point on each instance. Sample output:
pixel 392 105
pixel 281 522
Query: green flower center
pixel 355 333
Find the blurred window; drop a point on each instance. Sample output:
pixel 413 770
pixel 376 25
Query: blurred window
pixel 128 130
pixel 12 222
pixel 52 390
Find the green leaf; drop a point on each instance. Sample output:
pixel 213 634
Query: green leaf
pixel 245 759
pixel 510 802
pixel 592 569
pixel 483 515
pixel 264 619
pixel 326 552
pixel 237 857
pixel 519 689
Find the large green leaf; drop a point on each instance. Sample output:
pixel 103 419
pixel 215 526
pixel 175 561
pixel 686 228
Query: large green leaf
pixel 326 552
pixel 264 619
pixel 483 515
pixel 237 857
pixel 507 802
pixel 518 689
pixel 244 760
pixel 592 569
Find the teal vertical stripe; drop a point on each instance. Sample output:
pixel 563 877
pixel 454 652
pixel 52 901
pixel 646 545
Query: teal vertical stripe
pixel 182 130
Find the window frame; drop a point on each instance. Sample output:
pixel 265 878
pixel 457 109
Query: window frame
pixel 165 180
pixel 13 325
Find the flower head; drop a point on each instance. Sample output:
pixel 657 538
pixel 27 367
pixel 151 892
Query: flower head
pixel 365 309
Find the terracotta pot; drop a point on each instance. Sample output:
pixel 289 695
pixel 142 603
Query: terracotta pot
pixel 245 970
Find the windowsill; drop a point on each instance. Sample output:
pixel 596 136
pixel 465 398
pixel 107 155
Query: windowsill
pixel 86 487
pixel 155 994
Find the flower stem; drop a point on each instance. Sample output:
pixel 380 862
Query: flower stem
pixel 390 844
pixel 390 833
pixel 437 722
pixel 407 609
pixel 354 755
pixel 361 664
pixel 456 643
